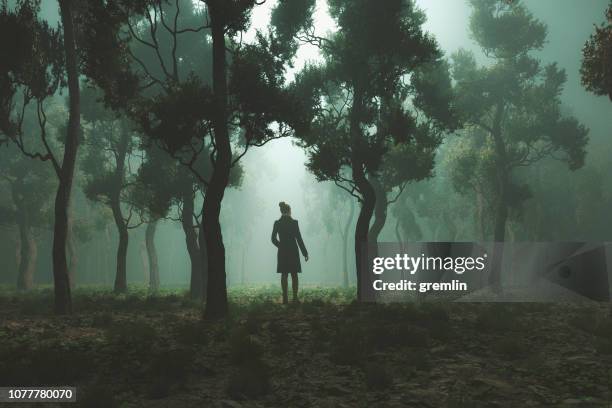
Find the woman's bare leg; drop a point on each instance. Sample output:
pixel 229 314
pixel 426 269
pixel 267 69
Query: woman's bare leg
pixel 294 286
pixel 284 287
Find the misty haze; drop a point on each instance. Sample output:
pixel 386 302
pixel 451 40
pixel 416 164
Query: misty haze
pixel 193 194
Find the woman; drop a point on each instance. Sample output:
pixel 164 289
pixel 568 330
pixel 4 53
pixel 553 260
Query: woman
pixel 286 237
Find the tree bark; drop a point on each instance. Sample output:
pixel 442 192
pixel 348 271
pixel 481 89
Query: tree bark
pixel 196 285
pixel 122 248
pixel 380 211
pixel 120 222
pixel 63 301
pixel 216 296
pixel 203 261
pixel 345 235
pixel 152 256
pixel 368 202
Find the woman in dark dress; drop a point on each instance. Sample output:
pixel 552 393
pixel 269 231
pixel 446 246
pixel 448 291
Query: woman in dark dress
pixel 286 237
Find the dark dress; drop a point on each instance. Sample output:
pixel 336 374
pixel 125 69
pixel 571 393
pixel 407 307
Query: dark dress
pixel 286 236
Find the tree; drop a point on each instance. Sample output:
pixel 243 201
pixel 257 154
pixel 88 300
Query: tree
pixel 515 101
pixel 471 163
pixel 152 195
pixel 407 229
pixel 246 104
pixel 110 144
pixel 378 83
pixel 63 303
pixel 162 184
pixel 333 217
pixel 34 68
pixel 596 70
pixel 31 187
pixel 344 234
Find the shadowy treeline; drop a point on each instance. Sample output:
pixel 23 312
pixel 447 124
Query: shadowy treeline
pixel 129 117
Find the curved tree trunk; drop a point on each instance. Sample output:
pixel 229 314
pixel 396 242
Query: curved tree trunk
pixel 345 235
pixel 196 285
pixel 122 248
pixel 380 211
pixel 367 193
pixel 216 294
pixel 63 302
pixel 152 256
pixel 120 222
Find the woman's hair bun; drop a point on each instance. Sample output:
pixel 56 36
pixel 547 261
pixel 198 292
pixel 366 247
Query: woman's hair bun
pixel 284 207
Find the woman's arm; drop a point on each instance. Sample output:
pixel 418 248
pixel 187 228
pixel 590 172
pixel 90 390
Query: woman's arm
pixel 274 234
pixel 300 241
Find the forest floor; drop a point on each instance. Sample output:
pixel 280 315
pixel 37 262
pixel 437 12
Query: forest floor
pixel 137 350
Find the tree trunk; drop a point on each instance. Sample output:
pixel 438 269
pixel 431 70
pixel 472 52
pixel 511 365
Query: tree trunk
pixel 17 250
pixel 380 211
pixel 216 296
pixel 367 193
pixel 120 222
pixel 345 235
pixel 480 214
pixel 72 254
pixel 196 285
pixel 400 242
pixel 501 213
pixel 501 216
pixel 203 250
pixel 398 233
pixel 107 254
pixel 122 248
pixel 27 255
pixel 152 256
pixel 63 302
pixel 146 275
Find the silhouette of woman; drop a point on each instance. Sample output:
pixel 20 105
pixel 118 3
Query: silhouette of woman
pixel 286 237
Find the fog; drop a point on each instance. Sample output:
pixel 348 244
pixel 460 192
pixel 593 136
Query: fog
pixel 277 172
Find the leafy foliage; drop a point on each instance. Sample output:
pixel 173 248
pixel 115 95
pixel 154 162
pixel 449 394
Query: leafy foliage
pixel 110 142
pixel 31 68
pixel 383 75
pixel 31 185
pixel 513 106
pixel 596 70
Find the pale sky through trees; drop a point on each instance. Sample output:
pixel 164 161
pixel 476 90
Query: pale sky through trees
pixel 276 172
